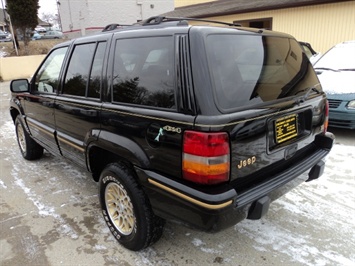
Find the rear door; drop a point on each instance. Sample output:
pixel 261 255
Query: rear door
pixel 145 105
pixel 78 105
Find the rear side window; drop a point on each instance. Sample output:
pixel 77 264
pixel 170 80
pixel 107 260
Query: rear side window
pixel 143 72
pixel 86 61
pixel 249 69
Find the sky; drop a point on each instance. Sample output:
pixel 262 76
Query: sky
pixel 47 6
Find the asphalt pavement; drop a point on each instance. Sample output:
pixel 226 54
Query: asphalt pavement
pixel 50 215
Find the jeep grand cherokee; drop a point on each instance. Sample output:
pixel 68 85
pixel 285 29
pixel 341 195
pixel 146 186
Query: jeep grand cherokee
pixel 203 124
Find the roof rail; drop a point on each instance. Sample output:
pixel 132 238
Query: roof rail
pixel 158 20
pixel 114 26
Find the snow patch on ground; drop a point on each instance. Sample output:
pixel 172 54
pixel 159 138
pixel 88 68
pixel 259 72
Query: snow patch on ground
pixel 326 201
pixel 43 209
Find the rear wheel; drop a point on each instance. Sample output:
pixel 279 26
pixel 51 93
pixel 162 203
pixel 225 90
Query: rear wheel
pixel 30 149
pixel 126 209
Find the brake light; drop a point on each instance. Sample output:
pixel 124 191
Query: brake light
pixel 326 117
pixel 206 157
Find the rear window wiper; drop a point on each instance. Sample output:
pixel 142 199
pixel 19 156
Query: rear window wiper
pixel 304 97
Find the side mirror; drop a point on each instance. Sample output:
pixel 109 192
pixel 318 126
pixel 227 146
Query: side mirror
pixel 19 85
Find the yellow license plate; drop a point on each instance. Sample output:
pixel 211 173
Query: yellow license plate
pixel 286 128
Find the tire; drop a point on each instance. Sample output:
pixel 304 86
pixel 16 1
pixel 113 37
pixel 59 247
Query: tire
pixel 126 209
pixel 30 149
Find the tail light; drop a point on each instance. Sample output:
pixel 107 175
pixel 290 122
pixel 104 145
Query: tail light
pixel 326 117
pixel 206 157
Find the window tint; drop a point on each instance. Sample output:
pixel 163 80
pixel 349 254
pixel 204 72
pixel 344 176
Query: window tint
pixel 47 78
pixel 78 70
pixel 253 69
pixel 143 72
pixel 96 71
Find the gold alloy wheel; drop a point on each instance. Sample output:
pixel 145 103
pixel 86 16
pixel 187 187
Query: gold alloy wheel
pixel 21 137
pixel 120 208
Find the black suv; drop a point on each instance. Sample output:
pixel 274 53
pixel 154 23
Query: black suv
pixel 197 123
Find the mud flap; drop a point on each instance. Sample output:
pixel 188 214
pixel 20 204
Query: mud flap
pixel 259 208
pixel 316 171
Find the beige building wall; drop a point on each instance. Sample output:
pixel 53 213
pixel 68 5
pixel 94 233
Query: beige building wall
pixel 179 3
pixel 322 25
pixel 16 67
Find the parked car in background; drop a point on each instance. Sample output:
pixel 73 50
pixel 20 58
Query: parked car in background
pixel 336 72
pixel 36 36
pixel 40 29
pixel 5 36
pixel 310 52
pixel 52 35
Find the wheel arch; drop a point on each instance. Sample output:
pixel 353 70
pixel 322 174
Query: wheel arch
pixel 110 148
pixel 14 113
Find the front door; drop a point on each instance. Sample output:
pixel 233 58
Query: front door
pixel 78 105
pixel 39 104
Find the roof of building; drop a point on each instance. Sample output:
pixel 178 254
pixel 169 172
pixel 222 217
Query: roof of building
pixel 227 7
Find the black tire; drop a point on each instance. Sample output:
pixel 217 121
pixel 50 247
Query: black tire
pixel 126 209
pixel 30 149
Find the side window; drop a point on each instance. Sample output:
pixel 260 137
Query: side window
pixel 143 72
pixel 96 71
pixel 77 74
pixel 86 61
pixel 47 78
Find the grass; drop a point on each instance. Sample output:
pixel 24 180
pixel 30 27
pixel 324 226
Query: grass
pixel 34 47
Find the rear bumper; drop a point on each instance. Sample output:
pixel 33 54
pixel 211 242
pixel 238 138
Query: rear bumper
pixel 216 208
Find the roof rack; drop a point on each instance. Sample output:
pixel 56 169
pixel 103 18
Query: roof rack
pixel 158 20
pixel 114 26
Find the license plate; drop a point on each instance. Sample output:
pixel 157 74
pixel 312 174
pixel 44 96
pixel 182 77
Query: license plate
pixel 285 128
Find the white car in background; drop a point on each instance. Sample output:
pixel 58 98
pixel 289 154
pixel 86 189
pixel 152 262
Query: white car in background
pixel 40 29
pixel 336 73
pixel 52 34
pixel 5 36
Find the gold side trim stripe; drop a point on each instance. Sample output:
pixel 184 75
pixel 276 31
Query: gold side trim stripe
pixel 39 128
pixel 176 121
pixel 59 138
pixel 194 201
pixel 71 144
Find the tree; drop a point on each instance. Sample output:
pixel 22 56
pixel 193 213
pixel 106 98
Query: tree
pixel 23 14
pixel 50 18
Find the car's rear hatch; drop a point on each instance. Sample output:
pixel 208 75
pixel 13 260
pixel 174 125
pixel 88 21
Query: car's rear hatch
pixel 267 97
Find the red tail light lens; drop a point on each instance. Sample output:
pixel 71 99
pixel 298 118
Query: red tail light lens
pixel 326 119
pixel 206 157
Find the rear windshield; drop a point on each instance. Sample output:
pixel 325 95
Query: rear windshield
pixel 249 69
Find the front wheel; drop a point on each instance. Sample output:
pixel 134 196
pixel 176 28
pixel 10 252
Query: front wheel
pixel 30 149
pixel 126 209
